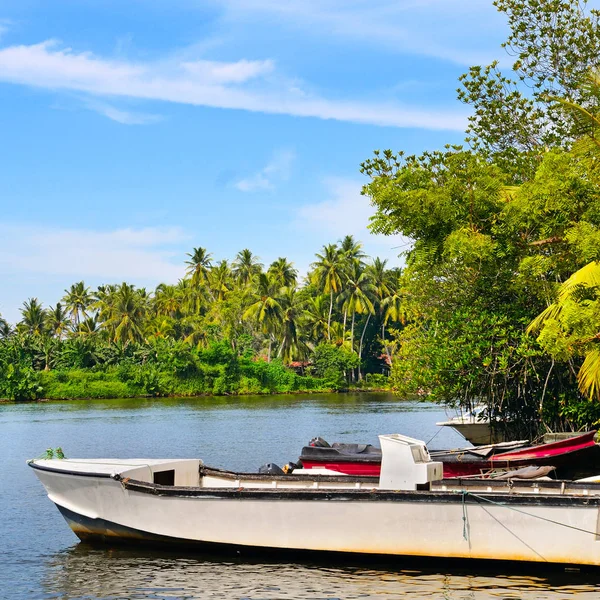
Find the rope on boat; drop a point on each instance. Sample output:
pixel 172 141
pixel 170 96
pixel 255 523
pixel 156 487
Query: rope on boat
pixel 464 510
pixel 501 504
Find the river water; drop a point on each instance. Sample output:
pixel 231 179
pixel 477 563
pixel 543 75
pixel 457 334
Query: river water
pixel 41 559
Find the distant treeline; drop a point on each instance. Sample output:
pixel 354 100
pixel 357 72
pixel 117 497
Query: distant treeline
pixel 224 328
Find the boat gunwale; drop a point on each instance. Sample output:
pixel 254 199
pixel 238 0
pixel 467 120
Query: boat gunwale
pixel 33 465
pixel 455 496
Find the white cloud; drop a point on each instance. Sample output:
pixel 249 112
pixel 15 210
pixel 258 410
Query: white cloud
pixel 125 117
pixel 237 72
pixel 202 83
pixel 457 32
pixel 346 212
pixel 133 254
pixel 276 171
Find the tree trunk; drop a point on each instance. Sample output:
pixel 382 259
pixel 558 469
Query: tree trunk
pixel 352 339
pixel 385 346
pixel 361 345
pixel 329 317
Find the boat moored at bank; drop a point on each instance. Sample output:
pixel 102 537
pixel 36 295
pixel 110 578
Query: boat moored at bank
pixel 408 511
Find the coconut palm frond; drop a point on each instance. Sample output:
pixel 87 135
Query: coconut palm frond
pixel 589 375
pixel 588 276
pixel 552 312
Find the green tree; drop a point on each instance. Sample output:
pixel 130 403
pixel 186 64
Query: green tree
pixel 327 275
pixel 556 43
pixel 283 272
pixel 199 265
pixel 77 301
pixel 127 312
pixel 246 266
pixel 266 310
pixel 57 321
pixel 33 319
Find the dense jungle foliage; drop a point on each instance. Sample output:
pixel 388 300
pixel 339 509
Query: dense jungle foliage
pixel 226 328
pixel 501 292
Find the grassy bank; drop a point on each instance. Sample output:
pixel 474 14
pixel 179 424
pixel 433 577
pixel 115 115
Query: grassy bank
pixel 252 378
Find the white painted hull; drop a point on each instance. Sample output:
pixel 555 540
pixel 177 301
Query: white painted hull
pixel 556 528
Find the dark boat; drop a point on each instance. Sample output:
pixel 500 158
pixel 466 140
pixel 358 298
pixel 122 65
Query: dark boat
pixel 573 458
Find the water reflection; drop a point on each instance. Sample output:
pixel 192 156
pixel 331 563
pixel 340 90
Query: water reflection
pixel 85 572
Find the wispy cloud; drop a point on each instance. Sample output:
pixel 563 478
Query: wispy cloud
pixel 276 171
pixel 244 85
pixel 125 117
pixel 345 211
pixel 148 254
pixel 417 27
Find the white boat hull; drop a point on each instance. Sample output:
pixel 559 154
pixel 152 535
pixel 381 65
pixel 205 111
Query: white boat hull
pixel 533 527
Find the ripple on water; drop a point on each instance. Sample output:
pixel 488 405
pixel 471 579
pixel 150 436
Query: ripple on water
pixel 87 573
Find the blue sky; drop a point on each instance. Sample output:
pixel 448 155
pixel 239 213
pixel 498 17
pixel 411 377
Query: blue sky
pixel 135 130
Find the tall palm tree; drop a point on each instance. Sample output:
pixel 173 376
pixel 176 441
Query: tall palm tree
pixel 315 317
pixel 291 312
pixel 167 300
pixel 352 251
pixel 77 301
pixel 193 298
pixel 283 271
pixel 33 317
pixel 126 320
pixel 266 310
pixel 391 305
pixel 57 320
pixel 219 280
pixel 199 265
pixel 327 275
pixel 358 295
pixel 246 266
pixel 357 298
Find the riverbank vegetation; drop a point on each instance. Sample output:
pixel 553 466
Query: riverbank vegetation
pixel 225 328
pixel 501 291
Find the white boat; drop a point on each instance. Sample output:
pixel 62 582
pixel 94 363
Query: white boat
pixel 475 427
pixel 408 511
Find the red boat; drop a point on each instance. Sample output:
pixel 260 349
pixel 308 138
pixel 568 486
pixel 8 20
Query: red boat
pixel 573 458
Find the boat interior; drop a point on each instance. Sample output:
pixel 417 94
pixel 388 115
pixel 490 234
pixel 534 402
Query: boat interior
pixel 186 474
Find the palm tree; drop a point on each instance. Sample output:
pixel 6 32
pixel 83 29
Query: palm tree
pixel 291 311
pixel 167 300
pixel 315 317
pixel 562 312
pixel 193 298
pixel 56 320
pixel 5 329
pixel 198 266
pixel 246 266
pixel 266 310
pixel 77 301
pixel 352 251
pixel 283 272
pixel 327 275
pixel 391 306
pixel 357 298
pixel 219 280
pixel 358 295
pixel 88 327
pixel 125 323
pixel 34 317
